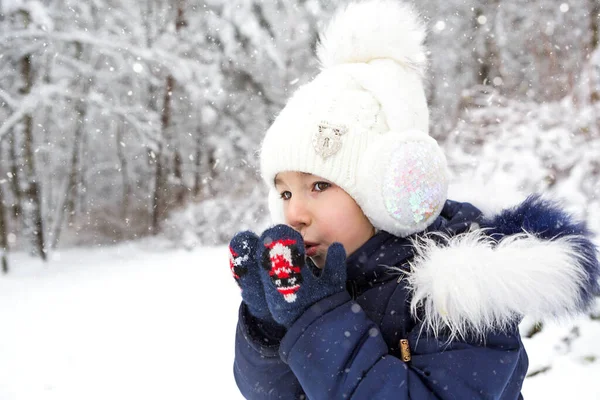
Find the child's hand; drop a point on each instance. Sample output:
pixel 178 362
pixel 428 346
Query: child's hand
pixel 290 286
pixel 245 270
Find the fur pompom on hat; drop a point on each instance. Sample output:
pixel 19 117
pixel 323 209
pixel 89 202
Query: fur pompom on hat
pixel 363 122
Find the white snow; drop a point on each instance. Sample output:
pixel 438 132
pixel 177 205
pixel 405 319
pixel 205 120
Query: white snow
pixel 572 352
pixel 137 321
pixel 126 322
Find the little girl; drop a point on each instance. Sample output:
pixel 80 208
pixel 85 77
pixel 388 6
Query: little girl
pixel 376 286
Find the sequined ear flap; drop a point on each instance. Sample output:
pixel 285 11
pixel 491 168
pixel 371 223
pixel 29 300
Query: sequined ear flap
pixel 413 185
pixel 406 177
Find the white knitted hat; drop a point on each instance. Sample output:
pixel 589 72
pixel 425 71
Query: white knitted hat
pixel 363 122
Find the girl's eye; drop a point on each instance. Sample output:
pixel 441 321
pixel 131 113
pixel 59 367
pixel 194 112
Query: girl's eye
pixel 320 186
pixel 285 195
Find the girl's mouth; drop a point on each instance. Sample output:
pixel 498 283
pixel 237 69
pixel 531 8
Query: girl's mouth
pixel 311 249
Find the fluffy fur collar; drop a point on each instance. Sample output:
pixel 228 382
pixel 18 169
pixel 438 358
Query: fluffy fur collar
pixel 532 260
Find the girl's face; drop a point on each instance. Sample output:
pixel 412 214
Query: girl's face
pixel 323 213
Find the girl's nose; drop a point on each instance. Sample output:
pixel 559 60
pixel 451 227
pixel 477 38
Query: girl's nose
pixel 297 214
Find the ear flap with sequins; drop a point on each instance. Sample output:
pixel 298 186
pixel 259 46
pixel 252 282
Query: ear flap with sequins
pixel 404 182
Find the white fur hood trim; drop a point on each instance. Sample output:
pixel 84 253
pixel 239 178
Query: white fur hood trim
pixel 472 284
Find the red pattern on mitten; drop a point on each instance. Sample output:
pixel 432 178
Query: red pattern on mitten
pixel 284 272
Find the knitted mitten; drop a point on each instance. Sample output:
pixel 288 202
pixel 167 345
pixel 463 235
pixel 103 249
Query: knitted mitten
pixel 290 286
pixel 245 270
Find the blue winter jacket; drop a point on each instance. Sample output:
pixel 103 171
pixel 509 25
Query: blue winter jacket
pixel 462 328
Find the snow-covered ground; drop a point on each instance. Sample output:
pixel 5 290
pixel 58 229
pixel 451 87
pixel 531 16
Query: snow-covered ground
pixel 125 322
pixel 138 322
